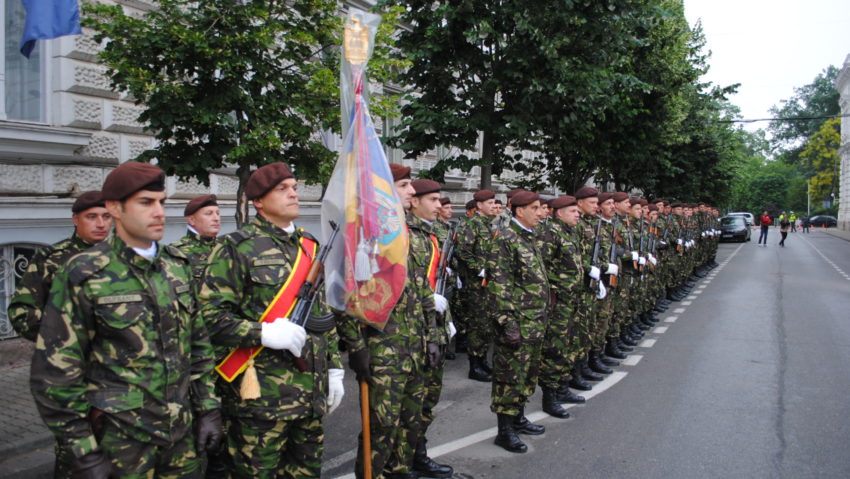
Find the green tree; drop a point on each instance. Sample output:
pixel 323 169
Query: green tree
pixel 820 157
pixel 234 83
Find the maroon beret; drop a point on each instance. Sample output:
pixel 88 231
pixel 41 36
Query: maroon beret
pixel 399 172
pixel 200 202
pixel 653 207
pixel 445 200
pixel 586 192
pixel 659 200
pixel 483 195
pixel 265 178
pixel 603 197
pixel 643 202
pixel 423 187
pixel 563 202
pixel 131 177
pixel 634 201
pixel 499 202
pixel 524 198
pixel 511 193
pixel 677 205
pixel 470 205
pixel 87 200
pixel 620 196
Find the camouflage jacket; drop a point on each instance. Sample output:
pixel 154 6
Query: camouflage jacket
pixel 586 232
pixel 502 221
pixel 245 271
pixel 519 282
pixel 474 240
pixel 412 323
pixel 27 304
pixel 121 334
pixel 197 248
pixel 561 256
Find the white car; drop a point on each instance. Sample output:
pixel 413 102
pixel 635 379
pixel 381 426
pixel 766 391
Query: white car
pixel 748 217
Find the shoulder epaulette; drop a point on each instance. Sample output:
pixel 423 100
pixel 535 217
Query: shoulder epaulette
pixel 89 262
pixel 176 252
pixel 237 236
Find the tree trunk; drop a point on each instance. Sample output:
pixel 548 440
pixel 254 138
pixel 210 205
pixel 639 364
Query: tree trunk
pixel 244 172
pixel 486 161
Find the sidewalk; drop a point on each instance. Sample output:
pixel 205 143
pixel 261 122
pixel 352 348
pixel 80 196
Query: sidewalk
pixel 26 445
pixel 838 233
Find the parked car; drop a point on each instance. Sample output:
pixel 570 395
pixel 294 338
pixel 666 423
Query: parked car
pixel 751 220
pixel 823 220
pixel 734 228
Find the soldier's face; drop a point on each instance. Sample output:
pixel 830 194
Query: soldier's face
pixel 140 219
pixel 668 210
pixel 543 212
pixel 487 208
pixel 607 208
pixel 206 221
pixel 427 206
pixel 470 213
pixel 653 215
pixel 588 206
pixel 280 204
pixel 404 190
pixel 622 207
pixel 569 214
pixel 446 211
pixel 92 224
pixel 636 211
pixel 528 215
pixel 645 210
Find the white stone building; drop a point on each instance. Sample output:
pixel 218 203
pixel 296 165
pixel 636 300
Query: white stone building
pixel 842 84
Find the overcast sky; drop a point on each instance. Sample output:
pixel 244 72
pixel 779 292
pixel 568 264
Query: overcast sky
pixel 770 46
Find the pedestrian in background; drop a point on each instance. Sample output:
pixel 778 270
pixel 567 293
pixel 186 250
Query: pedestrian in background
pixel 765 222
pixel 806 224
pixel 784 224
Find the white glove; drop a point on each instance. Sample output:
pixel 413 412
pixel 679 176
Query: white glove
pixel 635 255
pixel 594 273
pixel 452 330
pixel 283 334
pixel 653 260
pixel 662 243
pixel 481 273
pixel 449 271
pixel 335 388
pixel 642 261
pixel 679 242
pixel 702 234
pixel 459 283
pixel 602 291
pixel 613 269
pixel 440 303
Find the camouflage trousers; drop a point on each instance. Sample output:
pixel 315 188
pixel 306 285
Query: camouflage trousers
pixel 560 345
pixel 602 312
pixel 583 317
pixel 620 315
pixel 479 322
pixel 396 395
pixel 63 463
pixel 433 389
pixel 515 371
pixel 136 459
pixel 260 447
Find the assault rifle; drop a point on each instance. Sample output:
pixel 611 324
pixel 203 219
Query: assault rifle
pixel 594 259
pixel 446 254
pixel 612 255
pixel 308 293
pixel 640 241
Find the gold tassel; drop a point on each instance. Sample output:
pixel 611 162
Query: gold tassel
pixel 250 387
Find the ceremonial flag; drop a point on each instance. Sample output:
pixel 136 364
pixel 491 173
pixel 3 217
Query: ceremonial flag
pixel 47 19
pixel 366 270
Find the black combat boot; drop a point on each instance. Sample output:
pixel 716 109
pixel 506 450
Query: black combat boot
pixel 425 466
pixel 638 321
pixel 613 351
pixel 486 365
pixel 588 373
pixel 671 295
pixel 623 347
pixel 460 343
pixel 507 438
pixel 477 371
pixel 628 339
pixel 596 364
pixel 565 395
pixel 646 320
pixel 523 426
pixel 551 406
pixel 577 382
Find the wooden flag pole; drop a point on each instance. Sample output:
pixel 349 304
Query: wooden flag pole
pixel 367 428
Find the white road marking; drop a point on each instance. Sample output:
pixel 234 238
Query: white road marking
pixel 829 261
pixel 679 310
pixel 660 330
pixel 632 360
pixel 647 343
pixel 697 292
pixel 671 319
pixel 693 296
pixel 702 286
pixel 687 303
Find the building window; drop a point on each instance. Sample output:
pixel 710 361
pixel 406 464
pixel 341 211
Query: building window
pixel 21 78
pixel 14 261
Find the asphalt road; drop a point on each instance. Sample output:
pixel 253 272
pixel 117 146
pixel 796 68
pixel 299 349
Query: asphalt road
pixel 747 378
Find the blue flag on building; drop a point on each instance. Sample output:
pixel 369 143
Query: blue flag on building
pixel 47 19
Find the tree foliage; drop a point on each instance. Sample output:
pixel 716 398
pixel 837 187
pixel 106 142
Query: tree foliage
pixel 233 83
pixel 820 157
pixel 816 99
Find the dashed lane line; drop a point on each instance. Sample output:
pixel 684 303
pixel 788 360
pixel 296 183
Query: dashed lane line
pixel 687 303
pixel 631 360
pixel 647 343
pixel 671 319
pixel 660 330
pixel 829 261
pixel 679 310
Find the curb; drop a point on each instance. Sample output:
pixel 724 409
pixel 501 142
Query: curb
pixel 25 445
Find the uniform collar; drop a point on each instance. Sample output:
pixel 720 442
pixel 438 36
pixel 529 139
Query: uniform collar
pixel 269 228
pixel 126 253
pixel 193 235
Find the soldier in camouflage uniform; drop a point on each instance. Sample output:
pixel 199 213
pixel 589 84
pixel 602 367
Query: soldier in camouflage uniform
pixel 607 324
pixel 393 361
pixel 91 225
pixel 279 433
pixel 203 218
pixel 562 259
pixel 473 247
pixel 122 372
pixel 520 286
pixel 628 334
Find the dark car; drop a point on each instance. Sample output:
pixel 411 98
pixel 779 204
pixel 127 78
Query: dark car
pixel 734 228
pixel 823 220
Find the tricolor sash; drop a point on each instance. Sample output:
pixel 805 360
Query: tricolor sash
pixel 434 264
pixel 281 306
